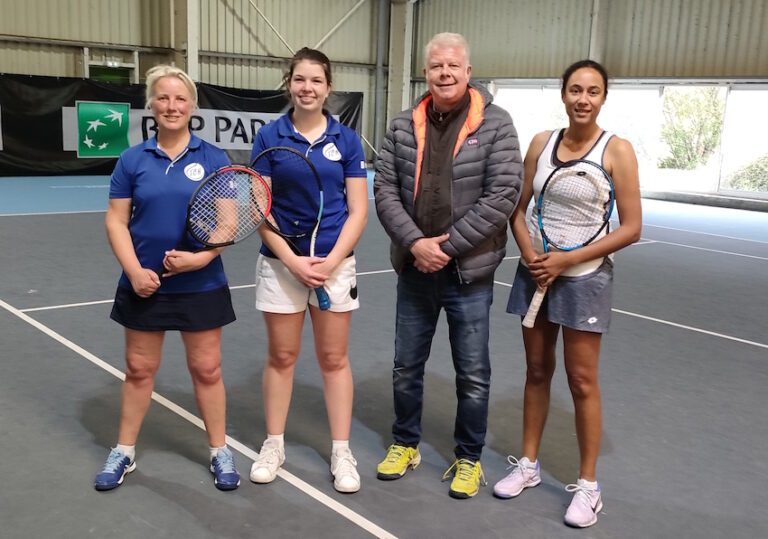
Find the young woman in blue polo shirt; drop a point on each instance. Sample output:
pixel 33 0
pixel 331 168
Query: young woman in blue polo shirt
pixel 148 196
pixel 285 281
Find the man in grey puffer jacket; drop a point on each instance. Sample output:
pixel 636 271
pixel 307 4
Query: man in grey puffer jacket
pixel 447 180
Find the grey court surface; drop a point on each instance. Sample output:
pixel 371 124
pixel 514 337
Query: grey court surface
pixel 683 376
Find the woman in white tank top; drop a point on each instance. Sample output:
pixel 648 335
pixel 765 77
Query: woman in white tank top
pixel 578 300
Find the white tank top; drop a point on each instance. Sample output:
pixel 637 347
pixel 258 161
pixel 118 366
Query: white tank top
pixel 548 162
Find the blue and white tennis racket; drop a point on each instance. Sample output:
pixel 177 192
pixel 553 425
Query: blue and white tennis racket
pixel 227 207
pixel 574 207
pixel 297 202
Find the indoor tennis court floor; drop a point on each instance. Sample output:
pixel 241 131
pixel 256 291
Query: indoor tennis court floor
pixel 684 372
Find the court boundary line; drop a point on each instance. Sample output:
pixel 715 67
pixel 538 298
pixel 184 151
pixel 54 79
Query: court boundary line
pixel 290 478
pixel 673 324
pixel 731 253
pixel 722 236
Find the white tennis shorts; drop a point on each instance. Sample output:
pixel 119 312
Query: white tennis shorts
pixel 278 291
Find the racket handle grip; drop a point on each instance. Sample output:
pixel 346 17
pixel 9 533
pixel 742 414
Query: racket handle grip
pixel 323 301
pixel 533 308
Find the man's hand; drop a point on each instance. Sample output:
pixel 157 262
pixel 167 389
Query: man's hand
pixel 427 254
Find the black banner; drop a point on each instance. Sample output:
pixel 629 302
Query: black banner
pixel 65 126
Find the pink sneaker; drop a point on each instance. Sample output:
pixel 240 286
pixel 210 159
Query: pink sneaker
pixel 524 474
pixel 585 506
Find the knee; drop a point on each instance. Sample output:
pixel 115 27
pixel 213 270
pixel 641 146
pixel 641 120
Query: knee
pixel 140 372
pixel 582 385
pixel 474 385
pixel 282 361
pixel 208 373
pixel 333 363
pixel 539 374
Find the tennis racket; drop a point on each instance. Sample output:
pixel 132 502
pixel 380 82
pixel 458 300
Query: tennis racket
pixel 227 207
pixel 297 202
pixel 574 207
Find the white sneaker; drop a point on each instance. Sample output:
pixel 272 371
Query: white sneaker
pixel 344 470
pixel 271 457
pixel 585 506
pixel 524 474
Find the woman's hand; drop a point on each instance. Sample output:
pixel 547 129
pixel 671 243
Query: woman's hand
pixel 145 282
pixel 176 262
pixel 545 268
pixel 309 270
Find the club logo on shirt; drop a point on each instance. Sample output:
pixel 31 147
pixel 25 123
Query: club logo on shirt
pixel 194 171
pixel 331 152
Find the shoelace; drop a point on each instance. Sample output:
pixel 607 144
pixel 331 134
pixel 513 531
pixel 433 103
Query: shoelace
pixel 225 462
pixel 345 464
pixel 584 494
pixel 394 454
pixel 268 455
pixel 465 470
pixel 514 463
pixel 113 461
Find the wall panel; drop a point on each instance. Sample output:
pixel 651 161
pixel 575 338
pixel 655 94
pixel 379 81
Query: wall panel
pixel 686 38
pixel 509 38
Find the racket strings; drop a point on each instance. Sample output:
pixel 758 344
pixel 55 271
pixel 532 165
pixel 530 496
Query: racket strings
pixel 574 206
pixel 228 207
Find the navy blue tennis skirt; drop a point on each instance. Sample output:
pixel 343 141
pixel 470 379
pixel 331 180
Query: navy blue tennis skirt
pixel 582 302
pixel 198 311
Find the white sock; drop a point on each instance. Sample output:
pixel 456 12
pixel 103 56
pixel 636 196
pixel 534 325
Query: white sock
pixel 591 485
pixel 339 444
pixel 128 450
pixel 279 438
pixel 215 450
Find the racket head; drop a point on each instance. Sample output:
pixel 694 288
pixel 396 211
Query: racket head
pixel 297 192
pixel 575 205
pixel 228 206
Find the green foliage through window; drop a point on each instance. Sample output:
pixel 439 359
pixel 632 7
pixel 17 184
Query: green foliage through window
pixel 693 121
pixel 752 177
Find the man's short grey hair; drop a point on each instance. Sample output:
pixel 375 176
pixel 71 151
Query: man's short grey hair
pixel 157 72
pixel 446 39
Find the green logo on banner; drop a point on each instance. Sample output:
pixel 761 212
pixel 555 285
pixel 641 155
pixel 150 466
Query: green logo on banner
pixel 102 128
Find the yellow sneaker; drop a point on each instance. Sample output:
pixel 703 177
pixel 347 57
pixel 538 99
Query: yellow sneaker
pixel 467 479
pixel 396 463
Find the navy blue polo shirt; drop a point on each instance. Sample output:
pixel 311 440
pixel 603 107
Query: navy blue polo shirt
pixel 160 189
pixel 337 155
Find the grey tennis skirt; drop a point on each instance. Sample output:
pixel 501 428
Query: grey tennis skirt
pixel 582 303
pixel 197 311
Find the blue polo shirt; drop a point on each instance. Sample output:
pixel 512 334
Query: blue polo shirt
pixel 337 154
pixel 160 189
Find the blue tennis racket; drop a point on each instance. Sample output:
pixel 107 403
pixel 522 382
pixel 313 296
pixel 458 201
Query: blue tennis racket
pixel 573 209
pixel 297 202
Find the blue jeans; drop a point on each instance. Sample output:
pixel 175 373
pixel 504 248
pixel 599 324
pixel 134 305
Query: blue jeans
pixel 420 297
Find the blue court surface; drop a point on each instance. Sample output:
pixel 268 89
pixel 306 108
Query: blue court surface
pixel 683 374
pixel 54 194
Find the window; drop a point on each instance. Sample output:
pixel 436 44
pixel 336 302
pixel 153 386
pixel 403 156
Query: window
pixel 695 138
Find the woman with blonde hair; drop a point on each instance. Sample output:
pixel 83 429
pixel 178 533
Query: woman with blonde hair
pixel 182 289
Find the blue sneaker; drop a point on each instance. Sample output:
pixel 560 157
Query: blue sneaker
pixel 223 469
pixel 118 465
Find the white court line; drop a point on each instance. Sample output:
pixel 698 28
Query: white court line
pixel 706 233
pixel 67 306
pixel 50 213
pixel 730 253
pixel 308 489
pixel 691 328
pixel 105 186
pixel 104 301
pixel 674 324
